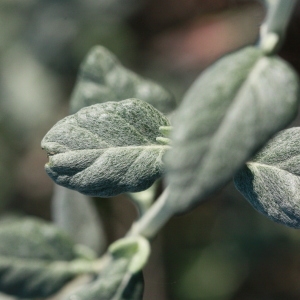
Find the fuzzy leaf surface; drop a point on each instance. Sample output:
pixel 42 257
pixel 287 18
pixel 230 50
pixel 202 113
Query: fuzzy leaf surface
pixel 271 180
pixel 228 114
pixel 35 258
pixel 102 78
pixel 107 149
pixel 121 278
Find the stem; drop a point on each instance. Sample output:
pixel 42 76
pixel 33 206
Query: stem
pixel 143 200
pixel 276 22
pixel 158 214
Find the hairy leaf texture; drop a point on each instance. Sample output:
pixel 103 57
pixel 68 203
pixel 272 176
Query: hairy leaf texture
pixel 107 149
pixel 36 258
pixel 271 180
pixel 235 107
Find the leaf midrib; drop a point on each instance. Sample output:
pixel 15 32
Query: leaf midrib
pixel 153 146
pixel 116 114
pixel 248 82
pixel 268 166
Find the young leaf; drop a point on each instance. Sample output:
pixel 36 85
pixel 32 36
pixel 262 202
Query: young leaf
pixel 102 78
pixel 227 115
pixel 271 180
pixel 36 259
pixel 121 278
pixel 107 149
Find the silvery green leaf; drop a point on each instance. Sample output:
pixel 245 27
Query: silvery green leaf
pixel 102 78
pixel 77 215
pixel 271 180
pixel 228 114
pixel 121 278
pixel 27 237
pixel 36 259
pixel 107 149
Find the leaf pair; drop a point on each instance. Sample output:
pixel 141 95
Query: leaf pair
pixel 110 147
pixel 235 107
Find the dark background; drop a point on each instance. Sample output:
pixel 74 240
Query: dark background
pixel 224 249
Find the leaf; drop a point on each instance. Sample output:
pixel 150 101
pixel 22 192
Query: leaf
pixel 37 238
pixel 77 215
pixel 226 116
pixel 102 78
pixel 122 278
pixel 36 259
pixel 107 149
pixel 271 180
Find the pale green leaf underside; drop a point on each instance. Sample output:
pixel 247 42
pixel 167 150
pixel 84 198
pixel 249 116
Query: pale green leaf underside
pixel 271 181
pixel 77 215
pixel 227 115
pixel 107 149
pixel 36 258
pixel 102 78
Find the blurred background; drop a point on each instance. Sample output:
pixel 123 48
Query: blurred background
pixel 223 250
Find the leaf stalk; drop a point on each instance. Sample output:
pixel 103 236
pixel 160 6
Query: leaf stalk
pixel 158 214
pixel 274 27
